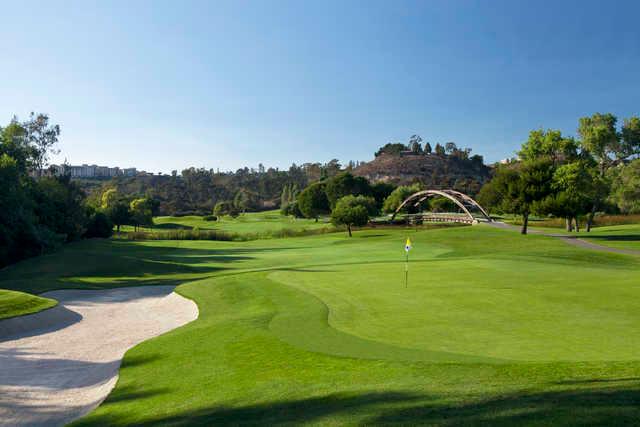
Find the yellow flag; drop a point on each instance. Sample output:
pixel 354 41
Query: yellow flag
pixel 407 246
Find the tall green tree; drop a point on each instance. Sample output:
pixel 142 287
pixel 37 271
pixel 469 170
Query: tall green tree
pixel 608 147
pixel 313 202
pixel 551 144
pixel 43 136
pixel 346 184
pixel 141 212
pixel 519 187
pixel 625 186
pixel 575 187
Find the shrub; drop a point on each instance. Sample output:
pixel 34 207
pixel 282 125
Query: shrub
pixel 210 218
pixel 99 226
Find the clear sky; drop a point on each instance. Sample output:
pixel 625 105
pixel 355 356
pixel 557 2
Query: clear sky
pixel 168 85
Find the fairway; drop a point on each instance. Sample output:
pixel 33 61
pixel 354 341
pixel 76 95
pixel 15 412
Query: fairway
pixel 494 328
pixel 250 222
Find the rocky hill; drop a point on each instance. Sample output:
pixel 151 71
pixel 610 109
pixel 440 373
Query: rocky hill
pixel 431 170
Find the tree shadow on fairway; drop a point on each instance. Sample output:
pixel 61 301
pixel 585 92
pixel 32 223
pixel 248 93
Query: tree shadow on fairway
pixel 582 407
pixel 109 264
pixel 291 412
pixel 611 406
pixel 614 237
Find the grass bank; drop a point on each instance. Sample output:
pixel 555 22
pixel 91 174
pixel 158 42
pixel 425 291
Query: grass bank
pixel 14 304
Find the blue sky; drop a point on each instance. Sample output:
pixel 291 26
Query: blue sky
pixel 167 85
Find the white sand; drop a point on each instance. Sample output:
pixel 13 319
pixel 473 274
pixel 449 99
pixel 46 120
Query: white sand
pixel 58 365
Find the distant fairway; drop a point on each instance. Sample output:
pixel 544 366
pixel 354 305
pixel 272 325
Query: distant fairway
pixel 494 328
pixel 250 222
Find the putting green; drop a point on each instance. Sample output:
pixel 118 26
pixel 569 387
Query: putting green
pixel 494 328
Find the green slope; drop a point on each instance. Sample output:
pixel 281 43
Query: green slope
pixel 14 303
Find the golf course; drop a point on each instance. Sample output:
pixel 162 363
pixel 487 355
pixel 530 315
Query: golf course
pixel 492 328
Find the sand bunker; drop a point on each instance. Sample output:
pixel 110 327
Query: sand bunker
pixel 59 364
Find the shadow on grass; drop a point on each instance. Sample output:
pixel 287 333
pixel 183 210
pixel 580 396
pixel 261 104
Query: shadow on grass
pixel 109 263
pixel 613 237
pixel 582 407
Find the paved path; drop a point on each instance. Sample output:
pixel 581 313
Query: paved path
pixel 571 240
pixel 59 364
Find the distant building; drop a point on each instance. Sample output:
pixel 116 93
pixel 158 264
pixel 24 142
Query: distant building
pixel 91 171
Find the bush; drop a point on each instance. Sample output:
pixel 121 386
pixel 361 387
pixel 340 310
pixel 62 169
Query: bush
pixel 210 218
pixel 99 226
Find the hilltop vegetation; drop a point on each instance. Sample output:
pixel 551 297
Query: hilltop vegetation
pixel 445 167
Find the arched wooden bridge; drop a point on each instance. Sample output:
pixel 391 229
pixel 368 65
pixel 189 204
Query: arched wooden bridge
pixel 467 204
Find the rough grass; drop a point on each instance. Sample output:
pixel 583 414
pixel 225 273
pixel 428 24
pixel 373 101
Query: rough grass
pixel 14 304
pixel 494 329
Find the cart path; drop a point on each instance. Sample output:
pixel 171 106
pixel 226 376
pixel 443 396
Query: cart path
pixel 61 363
pixel 571 240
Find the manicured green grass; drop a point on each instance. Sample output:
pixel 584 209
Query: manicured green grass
pixel 250 222
pixel 494 328
pixel 14 304
pixel 619 236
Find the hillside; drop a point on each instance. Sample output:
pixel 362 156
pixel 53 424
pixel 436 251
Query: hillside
pixel 431 170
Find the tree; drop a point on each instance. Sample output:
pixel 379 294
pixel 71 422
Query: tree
pixel 551 144
pixel 427 148
pixel 398 196
pixel 109 198
pixel 119 214
pixel 625 186
pixel 346 184
pixel 517 188
pixel 313 202
pixel 380 191
pixel 630 137
pixel 392 148
pixel 43 137
pixel 601 140
pixel 450 147
pixel 353 211
pixel 17 234
pixel 223 208
pixel 414 144
pixel 285 196
pixel 13 142
pixel 439 150
pixel 140 212
pixel 575 186
pixel 99 225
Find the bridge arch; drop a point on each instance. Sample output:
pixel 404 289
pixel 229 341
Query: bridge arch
pixel 464 202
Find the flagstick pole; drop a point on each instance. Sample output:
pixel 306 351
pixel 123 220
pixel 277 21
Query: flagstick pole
pixel 406 271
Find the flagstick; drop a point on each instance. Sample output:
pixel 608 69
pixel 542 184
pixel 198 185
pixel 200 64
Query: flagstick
pixel 406 271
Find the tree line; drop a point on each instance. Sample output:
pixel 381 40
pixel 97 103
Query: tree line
pixel 571 178
pixel 38 213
